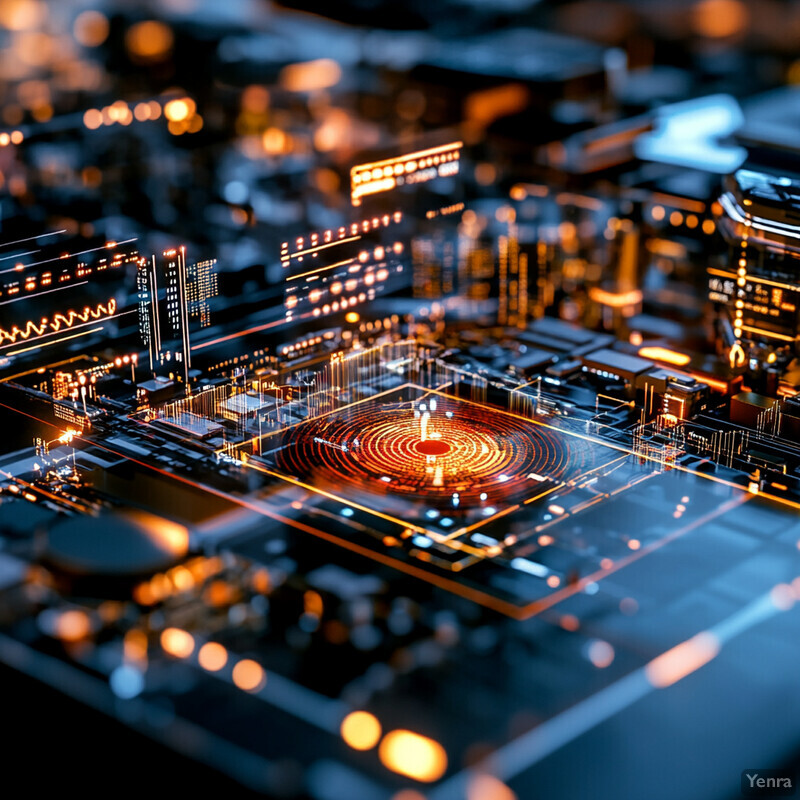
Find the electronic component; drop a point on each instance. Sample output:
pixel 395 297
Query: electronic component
pixel 403 405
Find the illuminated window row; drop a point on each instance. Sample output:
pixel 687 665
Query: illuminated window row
pixel 314 242
pixel 417 167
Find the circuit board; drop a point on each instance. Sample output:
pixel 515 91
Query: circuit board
pixel 401 401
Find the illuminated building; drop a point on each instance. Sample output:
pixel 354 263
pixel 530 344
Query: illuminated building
pixel 169 296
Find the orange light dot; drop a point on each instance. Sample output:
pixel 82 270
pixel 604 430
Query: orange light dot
pixel 601 653
pixel 274 141
pixel 72 626
pixel 17 137
pixel 176 110
pixel 149 40
pixel 249 676
pixel 144 595
pixel 310 76
pixel 181 578
pixel 361 730
pixel 22 15
pixel 634 544
pixel 34 48
pixel 93 119
pixel 212 656
pixel 413 755
pixel 485 174
pixel 177 128
pixel 177 642
pixel 255 99
pixel 42 113
pixel 135 646
pixel 4 139
pixel 717 19
pixel 90 28
pixel 569 622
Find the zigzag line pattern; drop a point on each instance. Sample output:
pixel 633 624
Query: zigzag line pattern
pixel 58 322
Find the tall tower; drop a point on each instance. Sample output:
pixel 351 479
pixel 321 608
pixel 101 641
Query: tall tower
pixel 178 309
pixel 164 291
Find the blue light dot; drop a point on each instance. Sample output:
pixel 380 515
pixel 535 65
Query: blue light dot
pixel 126 681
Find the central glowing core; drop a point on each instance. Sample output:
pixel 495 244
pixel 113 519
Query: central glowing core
pixel 433 447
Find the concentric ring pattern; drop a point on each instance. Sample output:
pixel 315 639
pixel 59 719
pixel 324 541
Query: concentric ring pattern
pixel 458 452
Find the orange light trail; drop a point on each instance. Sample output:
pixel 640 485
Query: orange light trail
pixel 682 660
pixel 256 329
pixel 325 246
pixel 665 355
pixel 755 279
pixel 413 755
pixel 105 246
pixel 382 176
pixel 39 294
pixel 432 151
pixel 59 320
pixel 769 334
pixel 55 341
pixel 74 327
pixel 615 299
pixel 321 269
pixel 719 385
pixel 373 187
pixel 30 371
